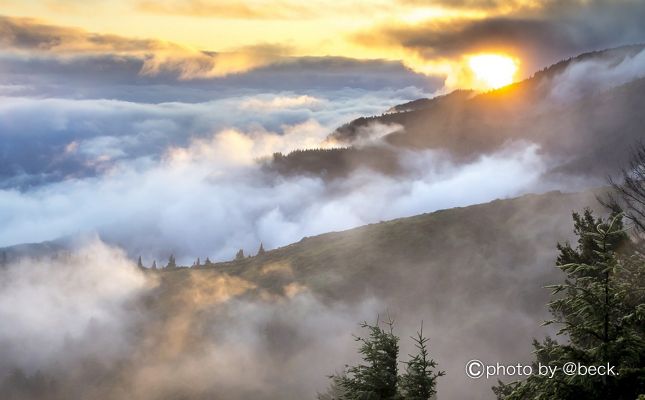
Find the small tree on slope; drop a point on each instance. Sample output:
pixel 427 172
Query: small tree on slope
pixel 419 381
pixel 377 377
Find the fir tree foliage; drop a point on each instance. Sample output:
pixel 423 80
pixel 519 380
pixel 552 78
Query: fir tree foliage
pixel 139 263
pixel 261 249
pixel 239 255
pixel 377 378
pixel 600 309
pixel 419 381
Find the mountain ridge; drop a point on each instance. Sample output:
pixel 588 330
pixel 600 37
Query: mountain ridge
pixel 468 126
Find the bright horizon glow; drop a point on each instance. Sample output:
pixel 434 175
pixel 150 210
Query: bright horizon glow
pixel 493 70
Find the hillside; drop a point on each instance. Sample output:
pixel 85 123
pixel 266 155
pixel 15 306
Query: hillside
pixel 585 127
pixel 475 275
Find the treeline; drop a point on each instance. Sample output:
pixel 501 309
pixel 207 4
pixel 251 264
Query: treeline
pixel 172 261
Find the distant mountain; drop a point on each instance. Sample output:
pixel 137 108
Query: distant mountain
pixel 585 123
pixel 32 250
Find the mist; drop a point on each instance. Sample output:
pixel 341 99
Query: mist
pixel 586 77
pixel 77 304
pixel 88 323
pixel 212 198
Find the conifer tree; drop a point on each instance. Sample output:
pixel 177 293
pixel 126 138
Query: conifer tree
pixel 139 263
pixel 171 262
pixel 419 381
pixel 239 255
pixel 600 308
pixel 261 249
pixel 154 264
pixel 198 262
pixel 208 262
pixel 377 377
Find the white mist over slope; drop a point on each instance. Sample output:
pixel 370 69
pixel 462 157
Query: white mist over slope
pixel 76 305
pixel 93 323
pixel 211 198
pixel 596 75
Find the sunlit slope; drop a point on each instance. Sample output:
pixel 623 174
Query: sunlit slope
pixel 586 126
pixel 474 275
pixel 492 238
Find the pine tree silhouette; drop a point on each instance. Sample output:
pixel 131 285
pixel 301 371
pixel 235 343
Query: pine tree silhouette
pixel 171 262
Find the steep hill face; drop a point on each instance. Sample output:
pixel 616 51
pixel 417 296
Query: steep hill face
pixel 581 115
pixel 475 275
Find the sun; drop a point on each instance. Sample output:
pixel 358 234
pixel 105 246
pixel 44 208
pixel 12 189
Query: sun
pixel 493 71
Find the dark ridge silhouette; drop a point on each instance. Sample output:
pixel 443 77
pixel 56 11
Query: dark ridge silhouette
pixel 334 163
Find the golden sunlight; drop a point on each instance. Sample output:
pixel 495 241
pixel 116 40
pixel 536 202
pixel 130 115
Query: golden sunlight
pixel 493 70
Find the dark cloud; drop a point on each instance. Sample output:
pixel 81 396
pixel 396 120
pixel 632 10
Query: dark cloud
pixel 31 34
pixel 119 77
pixel 27 35
pixel 532 40
pixel 539 36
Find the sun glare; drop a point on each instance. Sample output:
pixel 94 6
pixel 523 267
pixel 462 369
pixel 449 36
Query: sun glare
pixel 493 70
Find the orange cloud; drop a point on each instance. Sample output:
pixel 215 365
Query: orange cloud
pixel 36 37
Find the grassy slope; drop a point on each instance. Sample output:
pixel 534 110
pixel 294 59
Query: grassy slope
pixel 476 275
pixel 468 238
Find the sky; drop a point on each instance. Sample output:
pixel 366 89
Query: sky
pixel 207 38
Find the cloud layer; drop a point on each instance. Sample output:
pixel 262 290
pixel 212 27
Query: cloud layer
pixel 211 198
pixel 56 305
